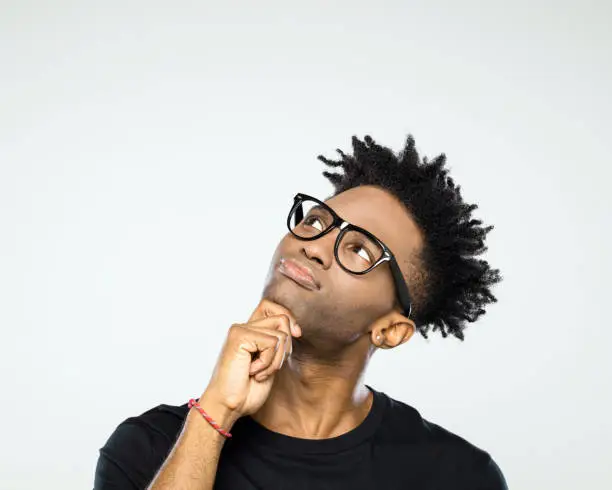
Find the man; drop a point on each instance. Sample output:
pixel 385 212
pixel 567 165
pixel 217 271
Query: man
pixel 392 252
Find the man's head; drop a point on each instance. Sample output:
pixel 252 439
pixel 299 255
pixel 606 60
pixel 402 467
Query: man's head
pixel 416 210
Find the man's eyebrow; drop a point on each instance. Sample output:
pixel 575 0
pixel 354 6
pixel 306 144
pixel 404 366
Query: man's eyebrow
pixel 318 207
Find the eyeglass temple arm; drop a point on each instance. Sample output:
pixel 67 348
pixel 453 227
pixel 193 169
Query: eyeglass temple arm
pixel 402 290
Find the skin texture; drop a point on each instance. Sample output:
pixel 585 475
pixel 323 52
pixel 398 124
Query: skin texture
pixel 319 392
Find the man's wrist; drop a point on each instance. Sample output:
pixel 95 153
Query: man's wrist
pixel 222 415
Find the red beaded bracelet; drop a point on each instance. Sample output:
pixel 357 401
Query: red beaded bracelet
pixel 193 403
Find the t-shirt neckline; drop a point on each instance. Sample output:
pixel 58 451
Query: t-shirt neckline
pixel 255 433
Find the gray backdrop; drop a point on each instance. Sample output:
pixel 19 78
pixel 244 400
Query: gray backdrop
pixel 133 136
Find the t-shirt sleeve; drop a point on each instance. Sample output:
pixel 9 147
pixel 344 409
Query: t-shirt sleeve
pixel 128 460
pixel 490 477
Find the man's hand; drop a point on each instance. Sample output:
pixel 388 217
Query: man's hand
pixel 253 352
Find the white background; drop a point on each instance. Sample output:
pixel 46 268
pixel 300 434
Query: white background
pixel 135 135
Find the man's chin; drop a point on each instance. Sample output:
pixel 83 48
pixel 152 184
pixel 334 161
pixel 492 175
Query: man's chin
pixel 278 294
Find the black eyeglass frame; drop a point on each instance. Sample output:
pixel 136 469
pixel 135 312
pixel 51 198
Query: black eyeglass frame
pixel 344 226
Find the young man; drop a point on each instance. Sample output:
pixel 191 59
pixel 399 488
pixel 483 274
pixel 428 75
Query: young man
pixel 392 252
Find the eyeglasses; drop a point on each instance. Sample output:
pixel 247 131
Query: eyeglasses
pixel 357 251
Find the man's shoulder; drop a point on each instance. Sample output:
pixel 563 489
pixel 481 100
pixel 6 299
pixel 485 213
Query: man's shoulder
pixel 404 422
pixel 163 417
pixel 139 444
pixel 427 441
pixel 162 422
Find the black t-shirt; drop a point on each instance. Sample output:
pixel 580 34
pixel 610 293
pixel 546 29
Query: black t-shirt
pixel 393 448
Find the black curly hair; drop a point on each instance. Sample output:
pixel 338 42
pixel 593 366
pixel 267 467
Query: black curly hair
pixel 451 286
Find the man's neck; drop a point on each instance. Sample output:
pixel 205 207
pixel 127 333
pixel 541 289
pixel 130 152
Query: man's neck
pixel 310 400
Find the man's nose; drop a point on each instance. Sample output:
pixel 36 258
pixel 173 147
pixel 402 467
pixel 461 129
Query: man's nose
pixel 321 250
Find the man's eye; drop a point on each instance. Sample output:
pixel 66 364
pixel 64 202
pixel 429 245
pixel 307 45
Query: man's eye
pixel 314 222
pixel 362 252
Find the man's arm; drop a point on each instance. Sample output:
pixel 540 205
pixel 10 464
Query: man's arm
pixel 134 454
pixel 253 352
pixel 193 461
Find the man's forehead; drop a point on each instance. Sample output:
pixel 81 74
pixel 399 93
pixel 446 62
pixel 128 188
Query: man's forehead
pixel 380 213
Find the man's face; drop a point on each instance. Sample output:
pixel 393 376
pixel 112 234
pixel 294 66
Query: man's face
pixel 344 305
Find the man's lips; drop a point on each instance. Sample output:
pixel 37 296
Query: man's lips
pixel 299 273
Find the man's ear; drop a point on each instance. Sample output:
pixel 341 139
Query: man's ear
pixel 392 330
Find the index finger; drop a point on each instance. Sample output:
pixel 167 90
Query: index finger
pixel 267 308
